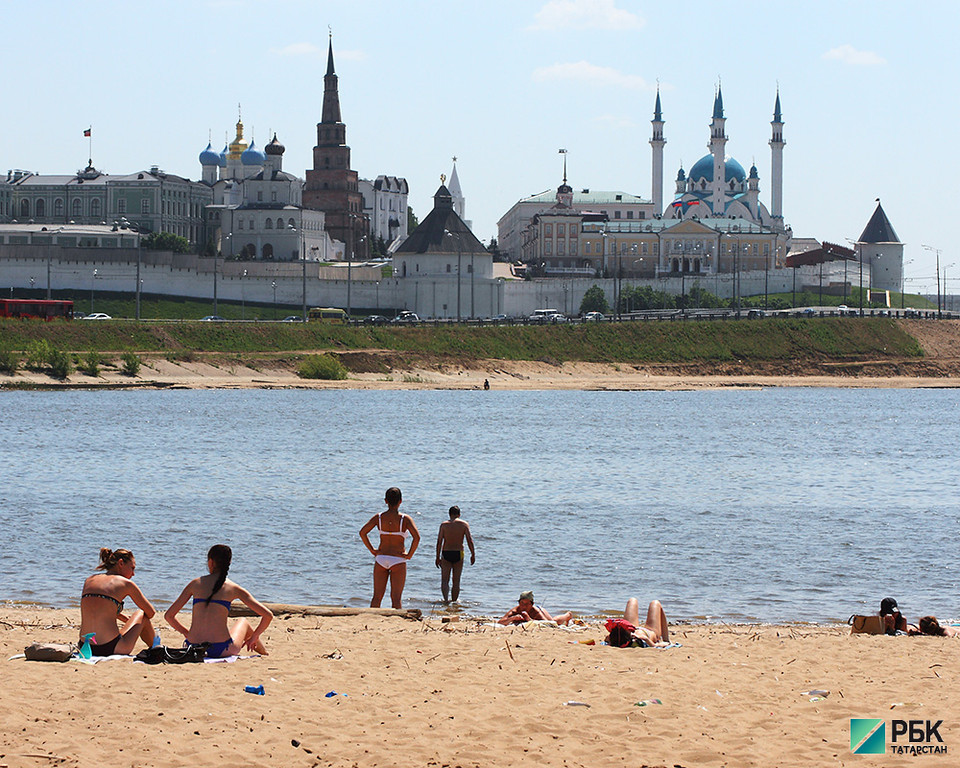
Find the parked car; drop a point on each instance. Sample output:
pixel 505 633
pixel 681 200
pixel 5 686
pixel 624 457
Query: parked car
pixel 406 317
pixel 292 319
pixel 499 319
pixel 808 312
pixel 755 313
pixel 79 315
pixel 97 316
pixel 375 320
pixel 593 317
pixel 912 313
pixel 211 319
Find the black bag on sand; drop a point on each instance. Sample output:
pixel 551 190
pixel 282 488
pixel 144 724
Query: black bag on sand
pixel 159 654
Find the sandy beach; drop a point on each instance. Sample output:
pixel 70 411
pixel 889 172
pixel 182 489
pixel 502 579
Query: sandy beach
pixel 426 693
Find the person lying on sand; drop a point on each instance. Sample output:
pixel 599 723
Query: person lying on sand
pixel 930 626
pixel 212 595
pixel 525 610
pixel 627 632
pixel 101 606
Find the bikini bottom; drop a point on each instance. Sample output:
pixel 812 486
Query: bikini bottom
pixel 389 561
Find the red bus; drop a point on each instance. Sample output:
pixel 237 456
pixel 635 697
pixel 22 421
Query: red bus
pixel 39 308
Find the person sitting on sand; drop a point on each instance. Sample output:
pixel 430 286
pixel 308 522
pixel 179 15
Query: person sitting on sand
pixel 893 620
pixel 525 610
pixel 450 539
pixel 101 606
pixel 930 626
pixel 627 632
pixel 212 595
pixel 390 558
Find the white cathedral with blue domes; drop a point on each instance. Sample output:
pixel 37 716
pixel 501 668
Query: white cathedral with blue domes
pixel 257 210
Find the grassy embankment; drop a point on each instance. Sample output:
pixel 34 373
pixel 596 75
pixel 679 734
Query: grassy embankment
pixel 768 340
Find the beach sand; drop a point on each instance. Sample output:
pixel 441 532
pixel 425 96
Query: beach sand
pixel 424 693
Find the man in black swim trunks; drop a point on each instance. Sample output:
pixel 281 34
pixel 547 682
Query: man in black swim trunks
pixel 450 552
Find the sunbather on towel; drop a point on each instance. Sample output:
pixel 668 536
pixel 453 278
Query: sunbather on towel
pixel 628 631
pixel 212 595
pixel 101 606
pixel 525 610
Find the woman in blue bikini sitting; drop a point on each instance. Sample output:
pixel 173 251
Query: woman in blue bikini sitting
pixel 101 606
pixel 212 595
pixel 391 556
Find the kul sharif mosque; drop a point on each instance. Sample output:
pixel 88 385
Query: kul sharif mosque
pixel 717 185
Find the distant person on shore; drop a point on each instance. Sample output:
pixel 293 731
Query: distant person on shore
pixel 101 606
pixel 525 610
pixel 628 632
pixel 391 556
pixel 893 620
pixel 212 595
pixel 930 626
pixel 450 552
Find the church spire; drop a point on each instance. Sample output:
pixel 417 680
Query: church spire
pixel 718 103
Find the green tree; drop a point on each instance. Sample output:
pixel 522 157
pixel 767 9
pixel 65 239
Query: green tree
pixel 594 300
pixel 166 241
pixel 412 221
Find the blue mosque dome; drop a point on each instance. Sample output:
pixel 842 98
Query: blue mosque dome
pixel 703 169
pixel 209 157
pixel 253 156
pixel 223 156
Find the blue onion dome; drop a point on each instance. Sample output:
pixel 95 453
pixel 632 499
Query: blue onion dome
pixel 209 157
pixel 253 156
pixel 703 169
pixel 275 147
pixel 223 156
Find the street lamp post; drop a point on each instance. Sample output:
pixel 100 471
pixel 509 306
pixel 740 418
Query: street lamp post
pixel 32 281
pixel 903 280
pixel 937 251
pixel 378 296
pixel 459 256
pixel 91 290
pixel 243 296
pixel 273 284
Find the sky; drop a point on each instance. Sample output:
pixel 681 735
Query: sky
pixel 868 92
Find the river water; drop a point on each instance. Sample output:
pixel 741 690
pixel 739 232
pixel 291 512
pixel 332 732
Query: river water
pixel 767 504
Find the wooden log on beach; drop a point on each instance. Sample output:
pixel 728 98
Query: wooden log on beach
pixel 280 609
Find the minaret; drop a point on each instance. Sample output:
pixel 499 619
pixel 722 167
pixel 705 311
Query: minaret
pixel 657 142
pixel 776 163
pixel 753 192
pixel 331 185
pixel 718 148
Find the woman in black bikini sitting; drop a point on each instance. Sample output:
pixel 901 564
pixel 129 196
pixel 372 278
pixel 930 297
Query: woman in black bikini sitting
pixel 212 595
pixel 101 606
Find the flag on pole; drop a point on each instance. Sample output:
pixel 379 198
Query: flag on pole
pixel 86 133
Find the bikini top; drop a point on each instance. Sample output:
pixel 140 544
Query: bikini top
pixel 401 532
pixel 118 603
pixel 224 603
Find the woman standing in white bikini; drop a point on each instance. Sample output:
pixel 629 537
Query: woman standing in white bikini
pixel 391 556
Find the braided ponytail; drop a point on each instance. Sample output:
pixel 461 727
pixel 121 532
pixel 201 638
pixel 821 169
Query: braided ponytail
pixel 222 556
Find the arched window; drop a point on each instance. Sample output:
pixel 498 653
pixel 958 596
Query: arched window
pixel 268 251
pixel 41 208
pixel 292 223
pixel 95 206
pixel 279 223
pixel 251 250
pixel 268 224
pixel 77 206
pixel 24 209
pixel 58 207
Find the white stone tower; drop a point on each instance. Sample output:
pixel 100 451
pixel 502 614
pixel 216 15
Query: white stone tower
pixel 718 148
pixel 657 142
pixel 776 165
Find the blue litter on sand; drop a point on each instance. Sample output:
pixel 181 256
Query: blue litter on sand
pixel 334 693
pixel 256 689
